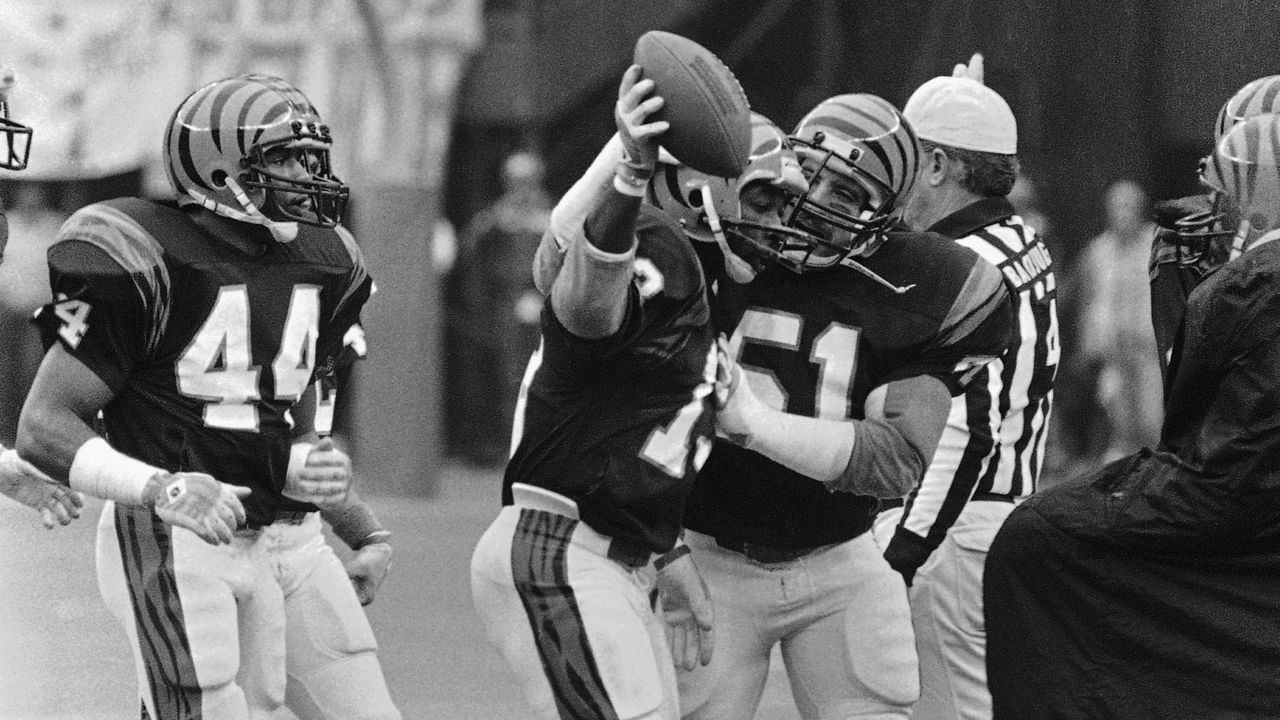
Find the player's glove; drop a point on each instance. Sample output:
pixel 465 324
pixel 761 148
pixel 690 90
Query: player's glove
pixel 685 604
pixel 368 568
pixel 199 503
pixel 639 137
pixel 907 552
pixel 21 481
pixel 323 478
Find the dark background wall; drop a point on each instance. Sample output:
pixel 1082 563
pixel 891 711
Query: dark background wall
pixel 1102 88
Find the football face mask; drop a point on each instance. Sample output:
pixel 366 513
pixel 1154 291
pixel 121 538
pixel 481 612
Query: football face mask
pixel 845 208
pixel 312 196
pixel 15 136
pixel 859 156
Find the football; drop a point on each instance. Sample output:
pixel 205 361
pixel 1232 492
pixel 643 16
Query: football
pixel 708 111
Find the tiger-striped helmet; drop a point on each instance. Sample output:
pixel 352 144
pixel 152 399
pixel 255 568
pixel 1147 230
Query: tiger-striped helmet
pixel 1217 221
pixel 1243 167
pixel 746 230
pixel 216 144
pixel 1255 98
pixel 863 138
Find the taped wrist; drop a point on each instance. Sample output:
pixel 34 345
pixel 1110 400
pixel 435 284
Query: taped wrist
pixel 357 526
pixel 297 460
pixel 104 472
pixel 630 178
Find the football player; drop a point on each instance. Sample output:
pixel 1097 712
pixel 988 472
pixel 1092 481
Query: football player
pixel 835 385
pixel 19 479
pixel 1149 587
pixel 615 418
pixel 196 327
pixel 1200 232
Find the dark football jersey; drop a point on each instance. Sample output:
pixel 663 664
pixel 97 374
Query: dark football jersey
pixel 620 424
pixel 205 347
pixel 816 344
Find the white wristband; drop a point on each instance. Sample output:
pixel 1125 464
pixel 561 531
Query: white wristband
pixel 297 460
pixel 626 187
pixel 104 472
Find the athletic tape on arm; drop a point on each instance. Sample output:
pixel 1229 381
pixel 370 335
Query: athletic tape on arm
pixel 104 472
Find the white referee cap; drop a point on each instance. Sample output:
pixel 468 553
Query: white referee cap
pixel 963 113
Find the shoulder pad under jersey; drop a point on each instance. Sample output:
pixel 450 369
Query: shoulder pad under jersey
pixel 663 243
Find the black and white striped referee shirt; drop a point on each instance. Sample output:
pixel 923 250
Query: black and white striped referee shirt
pixel 994 442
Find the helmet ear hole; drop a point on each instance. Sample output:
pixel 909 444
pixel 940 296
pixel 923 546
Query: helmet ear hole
pixel 693 199
pixel 219 178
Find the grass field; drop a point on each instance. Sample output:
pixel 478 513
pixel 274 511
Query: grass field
pixel 64 657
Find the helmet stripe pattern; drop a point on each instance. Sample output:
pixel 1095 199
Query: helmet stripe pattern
pixel 1244 167
pixel 876 126
pixel 220 101
pixel 1255 98
pixel 242 121
pixel 764 137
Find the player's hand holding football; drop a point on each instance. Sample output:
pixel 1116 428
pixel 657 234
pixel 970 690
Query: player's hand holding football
pixel 636 102
pixel 324 479
pixel 199 503
pixel 686 608
pixel 368 568
pixel 21 481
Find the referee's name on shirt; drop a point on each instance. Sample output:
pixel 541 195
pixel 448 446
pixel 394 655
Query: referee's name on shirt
pixel 1031 266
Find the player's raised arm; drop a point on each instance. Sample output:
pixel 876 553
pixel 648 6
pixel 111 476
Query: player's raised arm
pixel 590 294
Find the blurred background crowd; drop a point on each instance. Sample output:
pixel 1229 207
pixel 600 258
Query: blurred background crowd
pixel 458 122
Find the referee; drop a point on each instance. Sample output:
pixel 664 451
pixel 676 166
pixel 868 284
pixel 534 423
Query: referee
pixel 993 446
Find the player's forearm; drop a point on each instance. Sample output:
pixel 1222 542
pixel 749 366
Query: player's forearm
pixel 590 296
pixel 856 456
pixel 815 448
pixel 904 421
pixel 355 523
pixel 570 213
pixel 56 435
pixel 49 435
pixel 64 447
pixel 881 456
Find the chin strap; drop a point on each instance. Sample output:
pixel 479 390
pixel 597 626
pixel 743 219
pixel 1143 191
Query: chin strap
pixel 738 270
pixel 282 232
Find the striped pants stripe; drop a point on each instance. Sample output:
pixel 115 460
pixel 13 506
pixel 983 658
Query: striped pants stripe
pixel 575 626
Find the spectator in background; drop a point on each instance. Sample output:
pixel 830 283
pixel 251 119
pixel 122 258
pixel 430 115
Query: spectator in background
pixel 1115 336
pixel 494 326
pixel 1025 198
